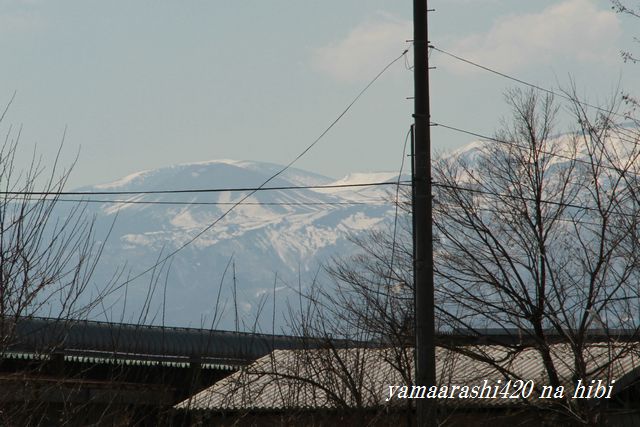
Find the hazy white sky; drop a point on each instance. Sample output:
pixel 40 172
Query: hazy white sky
pixel 142 84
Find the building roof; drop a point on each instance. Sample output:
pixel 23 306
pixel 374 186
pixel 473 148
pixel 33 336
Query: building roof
pixel 348 378
pixel 92 339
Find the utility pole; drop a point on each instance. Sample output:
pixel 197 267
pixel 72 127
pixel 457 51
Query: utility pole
pixel 422 219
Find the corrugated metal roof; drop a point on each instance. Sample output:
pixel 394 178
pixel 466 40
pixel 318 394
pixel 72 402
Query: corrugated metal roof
pixel 117 361
pixel 140 342
pixel 297 379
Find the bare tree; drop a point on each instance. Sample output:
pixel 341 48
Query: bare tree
pixel 47 257
pixel 538 234
pixel 624 7
pixel 363 319
pixel 47 254
pixel 627 8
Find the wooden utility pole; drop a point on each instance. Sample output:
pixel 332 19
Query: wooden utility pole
pixel 422 219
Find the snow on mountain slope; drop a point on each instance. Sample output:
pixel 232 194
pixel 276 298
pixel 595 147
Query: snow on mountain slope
pixel 288 233
pixel 274 235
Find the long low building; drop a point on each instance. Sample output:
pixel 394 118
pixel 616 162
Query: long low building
pixel 131 342
pixel 373 386
pixel 89 370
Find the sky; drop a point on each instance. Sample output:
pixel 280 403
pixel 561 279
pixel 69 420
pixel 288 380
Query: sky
pixel 141 84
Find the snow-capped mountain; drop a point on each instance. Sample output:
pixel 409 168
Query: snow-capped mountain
pixel 287 232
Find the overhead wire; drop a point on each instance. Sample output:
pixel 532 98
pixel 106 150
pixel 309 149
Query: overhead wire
pixel 523 198
pixel 397 207
pixel 32 195
pixel 202 190
pixel 186 203
pixel 514 144
pixel 524 82
pixel 552 92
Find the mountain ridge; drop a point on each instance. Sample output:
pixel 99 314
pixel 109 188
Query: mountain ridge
pixel 288 233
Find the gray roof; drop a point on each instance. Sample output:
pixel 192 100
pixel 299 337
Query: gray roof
pixel 140 342
pixel 308 379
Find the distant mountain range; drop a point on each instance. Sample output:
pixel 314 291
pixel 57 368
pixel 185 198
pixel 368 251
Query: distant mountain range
pixel 277 235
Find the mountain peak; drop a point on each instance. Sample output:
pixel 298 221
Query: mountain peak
pixel 214 173
pixel 289 231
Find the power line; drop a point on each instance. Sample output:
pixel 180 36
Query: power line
pixel 397 207
pixel 548 153
pixel 515 79
pixel 179 203
pixel 203 190
pixel 523 198
pixel 526 83
pixel 261 186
